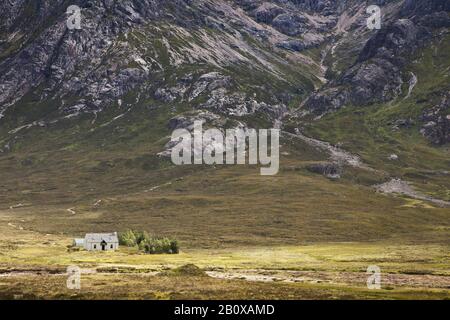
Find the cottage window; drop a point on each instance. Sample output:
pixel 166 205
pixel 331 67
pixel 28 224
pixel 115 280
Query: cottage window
pixel 111 246
pixel 95 246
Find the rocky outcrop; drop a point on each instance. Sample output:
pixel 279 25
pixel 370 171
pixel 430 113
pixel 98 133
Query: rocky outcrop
pixel 306 23
pixel 55 55
pixel 328 169
pixel 135 46
pixel 436 127
pixel 421 7
pixel 390 42
pixel 290 24
pixel 267 12
pixel 378 74
pixel 196 53
pixel 186 121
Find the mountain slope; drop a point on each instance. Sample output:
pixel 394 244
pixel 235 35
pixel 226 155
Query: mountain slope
pixel 85 114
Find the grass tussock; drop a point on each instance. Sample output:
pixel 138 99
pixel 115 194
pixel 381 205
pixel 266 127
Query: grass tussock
pixel 188 270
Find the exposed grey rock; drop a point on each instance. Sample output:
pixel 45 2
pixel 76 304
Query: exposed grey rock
pixel 56 54
pixel 328 169
pixel 114 54
pixel 165 95
pixel 436 120
pixel 209 82
pixel 267 11
pixel 104 61
pixel 327 100
pixel 186 121
pixel 290 24
pixel 239 104
pixel 424 7
pixel 294 45
pixel 378 73
pixel 208 119
pixel 400 37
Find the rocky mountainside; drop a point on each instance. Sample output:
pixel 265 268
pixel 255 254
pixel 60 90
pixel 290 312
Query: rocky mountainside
pixel 380 73
pixel 166 50
pixel 86 116
pixel 229 63
pixel 232 58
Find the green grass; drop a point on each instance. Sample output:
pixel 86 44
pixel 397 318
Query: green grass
pixel 75 165
pixel 329 271
pixel 226 217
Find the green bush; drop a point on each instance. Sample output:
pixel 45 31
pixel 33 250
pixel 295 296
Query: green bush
pixel 127 239
pixel 141 236
pixel 147 243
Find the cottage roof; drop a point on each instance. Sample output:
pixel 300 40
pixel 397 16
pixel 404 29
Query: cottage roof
pixel 99 237
pixel 78 241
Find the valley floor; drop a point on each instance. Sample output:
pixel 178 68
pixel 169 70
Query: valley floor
pixel 33 266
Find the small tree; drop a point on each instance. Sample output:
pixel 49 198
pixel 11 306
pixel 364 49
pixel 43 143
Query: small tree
pixel 141 236
pixel 148 244
pixel 127 238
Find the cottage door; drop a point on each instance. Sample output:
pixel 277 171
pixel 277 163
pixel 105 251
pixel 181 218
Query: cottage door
pixel 104 244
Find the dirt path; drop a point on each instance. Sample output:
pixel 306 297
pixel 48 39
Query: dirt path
pixel 397 186
pixel 14 226
pixel 336 154
pixel 394 186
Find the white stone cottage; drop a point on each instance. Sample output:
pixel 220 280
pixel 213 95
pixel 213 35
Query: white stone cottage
pixel 98 242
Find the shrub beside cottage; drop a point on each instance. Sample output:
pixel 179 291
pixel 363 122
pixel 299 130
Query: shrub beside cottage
pixel 149 244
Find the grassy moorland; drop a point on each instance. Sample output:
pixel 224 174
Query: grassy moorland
pixel 34 267
pixel 297 235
